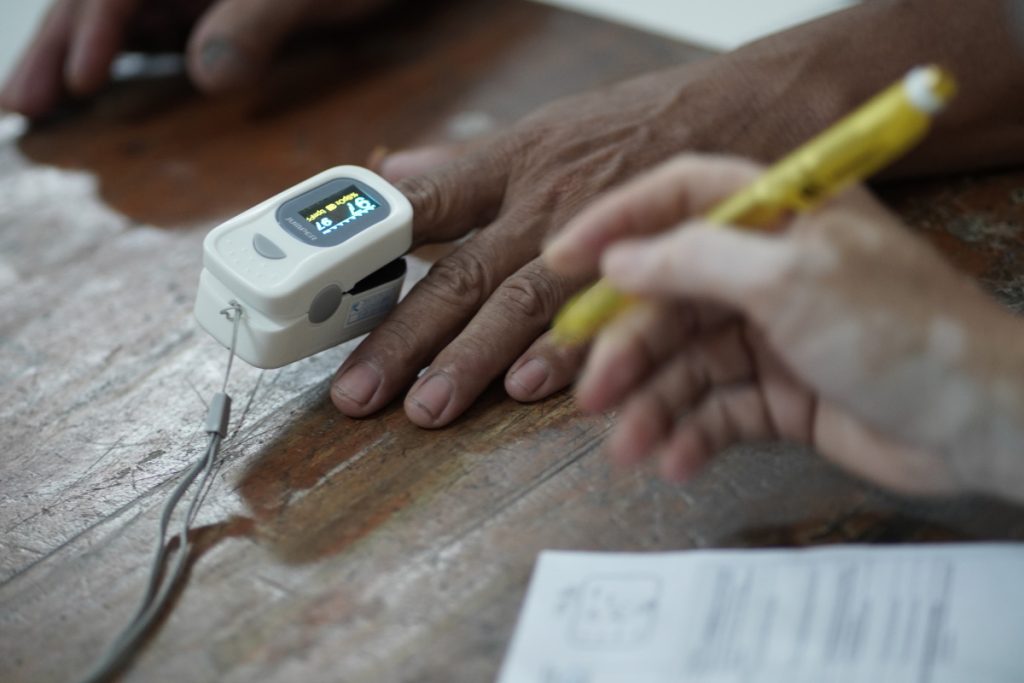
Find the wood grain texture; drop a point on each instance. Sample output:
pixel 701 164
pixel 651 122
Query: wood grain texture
pixel 337 549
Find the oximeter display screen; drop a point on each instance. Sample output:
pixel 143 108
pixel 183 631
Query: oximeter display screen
pixel 338 210
pixel 329 214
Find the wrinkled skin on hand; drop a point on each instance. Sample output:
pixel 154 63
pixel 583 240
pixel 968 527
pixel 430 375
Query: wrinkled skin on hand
pixel 485 306
pixel 845 332
pixel 227 42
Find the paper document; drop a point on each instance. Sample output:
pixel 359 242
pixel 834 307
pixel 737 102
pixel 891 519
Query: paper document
pixel 851 614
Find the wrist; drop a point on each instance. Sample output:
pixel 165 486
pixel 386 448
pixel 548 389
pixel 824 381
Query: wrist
pixel 822 70
pixel 788 87
pixel 781 90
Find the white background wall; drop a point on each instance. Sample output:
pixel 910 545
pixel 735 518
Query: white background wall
pixel 721 24
pixel 18 19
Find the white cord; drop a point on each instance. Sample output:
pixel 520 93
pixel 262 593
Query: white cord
pixel 157 593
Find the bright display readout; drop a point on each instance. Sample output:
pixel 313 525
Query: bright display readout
pixel 339 210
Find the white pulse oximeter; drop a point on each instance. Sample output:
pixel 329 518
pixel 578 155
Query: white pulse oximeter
pixel 311 267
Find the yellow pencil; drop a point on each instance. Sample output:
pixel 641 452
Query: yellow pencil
pixel 856 147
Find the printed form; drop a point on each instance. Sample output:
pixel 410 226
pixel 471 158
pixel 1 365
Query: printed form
pixel 847 614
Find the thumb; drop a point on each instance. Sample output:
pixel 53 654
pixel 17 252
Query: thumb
pixel 677 190
pixel 702 260
pixel 234 41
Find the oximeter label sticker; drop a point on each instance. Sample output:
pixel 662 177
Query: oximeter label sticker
pixel 374 305
pixel 338 210
pixel 329 214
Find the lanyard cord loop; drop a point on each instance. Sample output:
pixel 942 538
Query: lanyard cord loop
pixel 158 592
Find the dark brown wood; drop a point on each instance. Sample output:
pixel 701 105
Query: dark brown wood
pixel 330 548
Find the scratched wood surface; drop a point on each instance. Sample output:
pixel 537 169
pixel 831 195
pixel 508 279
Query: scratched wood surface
pixel 336 549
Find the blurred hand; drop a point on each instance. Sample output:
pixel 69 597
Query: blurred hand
pixel 845 332
pixel 228 42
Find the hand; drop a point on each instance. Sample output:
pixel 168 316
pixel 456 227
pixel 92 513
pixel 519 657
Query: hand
pixel 229 42
pixel 845 332
pixel 486 305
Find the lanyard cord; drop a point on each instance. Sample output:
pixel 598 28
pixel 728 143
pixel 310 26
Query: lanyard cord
pixel 158 592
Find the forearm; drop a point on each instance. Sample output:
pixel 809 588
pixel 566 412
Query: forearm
pixel 797 82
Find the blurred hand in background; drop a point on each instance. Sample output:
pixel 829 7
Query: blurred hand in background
pixel 844 332
pixel 227 43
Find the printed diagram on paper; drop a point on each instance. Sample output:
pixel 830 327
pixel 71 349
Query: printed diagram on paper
pixel 928 614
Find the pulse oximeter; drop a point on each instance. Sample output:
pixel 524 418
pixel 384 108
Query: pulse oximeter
pixel 311 267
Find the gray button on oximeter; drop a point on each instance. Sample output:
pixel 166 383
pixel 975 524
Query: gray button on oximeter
pixel 266 248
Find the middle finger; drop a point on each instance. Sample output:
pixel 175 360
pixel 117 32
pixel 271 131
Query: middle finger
pixel 516 313
pixel 717 358
pixel 637 344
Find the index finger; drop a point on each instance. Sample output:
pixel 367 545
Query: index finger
pixel 36 84
pixel 678 189
pixel 464 193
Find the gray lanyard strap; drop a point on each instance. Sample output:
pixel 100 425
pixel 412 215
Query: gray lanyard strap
pixel 157 592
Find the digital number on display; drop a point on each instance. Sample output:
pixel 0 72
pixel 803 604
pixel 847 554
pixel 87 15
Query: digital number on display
pixel 338 210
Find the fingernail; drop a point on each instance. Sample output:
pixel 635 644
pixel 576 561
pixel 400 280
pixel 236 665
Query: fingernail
pixel 551 251
pixel 433 395
pixel 553 242
pixel 531 376
pixel 377 156
pixel 358 384
pixel 568 254
pixel 222 61
pixel 621 261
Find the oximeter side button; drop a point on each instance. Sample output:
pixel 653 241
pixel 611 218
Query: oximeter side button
pixel 265 248
pixel 325 304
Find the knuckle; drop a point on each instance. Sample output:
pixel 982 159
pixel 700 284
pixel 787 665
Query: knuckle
pixel 534 296
pixel 729 359
pixel 696 377
pixel 459 279
pixel 396 337
pixel 533 129
pixel 566 186
pixel 427 197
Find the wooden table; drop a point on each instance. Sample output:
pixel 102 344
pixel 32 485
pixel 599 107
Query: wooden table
pixel 337 549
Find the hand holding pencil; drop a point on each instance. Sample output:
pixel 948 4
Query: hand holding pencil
pixel 842 330
pixel 864 142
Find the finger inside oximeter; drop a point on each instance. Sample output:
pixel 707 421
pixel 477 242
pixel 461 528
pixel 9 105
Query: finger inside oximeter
pixel 311 267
